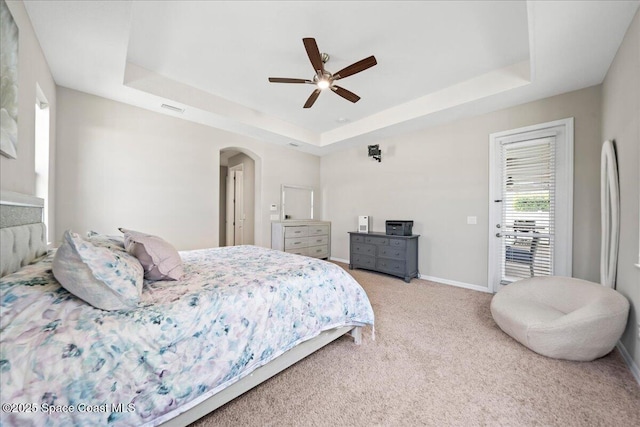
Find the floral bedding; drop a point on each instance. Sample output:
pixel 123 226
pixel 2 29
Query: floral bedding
pixel 64 362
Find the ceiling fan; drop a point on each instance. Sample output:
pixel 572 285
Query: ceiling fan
pixel 323 79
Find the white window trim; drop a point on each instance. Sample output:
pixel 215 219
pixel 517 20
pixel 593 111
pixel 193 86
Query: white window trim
pixel 564 195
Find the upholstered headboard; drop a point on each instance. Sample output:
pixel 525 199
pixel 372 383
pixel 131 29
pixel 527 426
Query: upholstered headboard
pixel 23 235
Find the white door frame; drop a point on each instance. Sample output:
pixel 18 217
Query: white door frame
pixel 563 245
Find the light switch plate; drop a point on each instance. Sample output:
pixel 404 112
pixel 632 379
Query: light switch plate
pixel 274 207
pixel 472 220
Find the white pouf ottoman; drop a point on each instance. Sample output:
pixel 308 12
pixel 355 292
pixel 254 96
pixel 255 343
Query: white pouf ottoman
pixel 561 317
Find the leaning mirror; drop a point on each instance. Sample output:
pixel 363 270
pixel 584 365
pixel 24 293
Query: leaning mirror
pixel 297 203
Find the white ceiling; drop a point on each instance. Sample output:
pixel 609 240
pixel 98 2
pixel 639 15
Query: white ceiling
pixel 437 61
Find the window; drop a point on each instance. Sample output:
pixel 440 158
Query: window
pixel 528 208
pixel 42 154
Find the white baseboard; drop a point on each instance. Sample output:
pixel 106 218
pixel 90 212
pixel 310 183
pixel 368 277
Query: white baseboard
pixel 629 361
pixel 436 279
pixel 455 283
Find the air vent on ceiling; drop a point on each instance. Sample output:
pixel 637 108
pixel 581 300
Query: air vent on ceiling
pixel 172 108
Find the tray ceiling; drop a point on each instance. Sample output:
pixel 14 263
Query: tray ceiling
pixel 437 61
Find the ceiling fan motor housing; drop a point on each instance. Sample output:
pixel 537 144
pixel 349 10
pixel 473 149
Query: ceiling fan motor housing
pixel 325 76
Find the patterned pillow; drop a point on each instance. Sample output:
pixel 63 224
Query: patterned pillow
pixel 106 241
pixel 106 279
pixel 160 260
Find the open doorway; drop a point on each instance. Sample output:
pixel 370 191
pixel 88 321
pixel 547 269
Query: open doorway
pixel 237 198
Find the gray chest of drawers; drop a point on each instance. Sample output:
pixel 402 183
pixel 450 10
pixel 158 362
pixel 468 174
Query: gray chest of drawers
pixel 309 238
pixel 396 255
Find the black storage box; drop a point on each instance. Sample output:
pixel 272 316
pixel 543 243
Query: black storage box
pixel 399 228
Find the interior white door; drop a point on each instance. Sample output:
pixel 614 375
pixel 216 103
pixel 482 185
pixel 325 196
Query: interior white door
pixel 235 207
pixel 239 208
pixel 531 203
pixel 229 220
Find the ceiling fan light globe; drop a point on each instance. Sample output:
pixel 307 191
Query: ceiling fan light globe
pixel 323 84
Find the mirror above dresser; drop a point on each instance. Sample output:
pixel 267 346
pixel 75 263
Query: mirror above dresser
pixel 296 202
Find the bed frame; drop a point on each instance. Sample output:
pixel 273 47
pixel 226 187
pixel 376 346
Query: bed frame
pixel 23 240
pixel 262 374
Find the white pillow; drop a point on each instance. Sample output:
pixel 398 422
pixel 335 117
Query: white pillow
pixel 161 261
pixel 106 241
pixel 106 279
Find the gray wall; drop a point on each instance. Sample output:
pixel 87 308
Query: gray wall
pixel 119 165
pixel 621 122
pixel 439 176
pixel 18 174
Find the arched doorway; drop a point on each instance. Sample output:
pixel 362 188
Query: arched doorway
pixel 239 179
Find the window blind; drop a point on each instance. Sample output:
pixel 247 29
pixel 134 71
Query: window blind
pixel 528 207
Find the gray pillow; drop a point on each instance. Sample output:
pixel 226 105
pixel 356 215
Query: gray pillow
pixel 106 279
pixel 161 261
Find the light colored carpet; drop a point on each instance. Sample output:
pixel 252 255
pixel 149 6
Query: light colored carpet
pixel 438 359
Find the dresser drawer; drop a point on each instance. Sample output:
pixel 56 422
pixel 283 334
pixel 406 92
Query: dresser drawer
pixel 318 230
pixel 357 239
pixel 301 231
pixel 390 265
pixel 376 240
pixel 318 240
pixel 295 243
pixel 362 249
pixel 391 252
pixel 321 251
pixel 300 251
pixel 398 243
pixel 363 261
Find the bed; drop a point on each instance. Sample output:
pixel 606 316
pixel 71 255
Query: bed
pixel 237 317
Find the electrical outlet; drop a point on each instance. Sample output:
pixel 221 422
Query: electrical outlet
pixel 473 220
pixel 275 217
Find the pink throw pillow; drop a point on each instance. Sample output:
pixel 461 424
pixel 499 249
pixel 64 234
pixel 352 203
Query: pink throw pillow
pixel 159 258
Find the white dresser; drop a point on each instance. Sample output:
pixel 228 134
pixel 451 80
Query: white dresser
pixel 310 238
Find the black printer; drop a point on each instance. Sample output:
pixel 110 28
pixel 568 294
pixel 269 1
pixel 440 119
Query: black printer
pixel 399 228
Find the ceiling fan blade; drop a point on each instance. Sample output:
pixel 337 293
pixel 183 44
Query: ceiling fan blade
pixel 287 80
pixel 348 95
pixel 312 98
pixel 314 54
pixel 355 68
